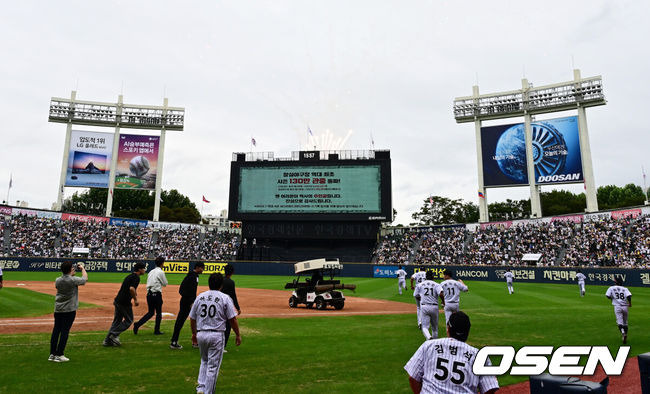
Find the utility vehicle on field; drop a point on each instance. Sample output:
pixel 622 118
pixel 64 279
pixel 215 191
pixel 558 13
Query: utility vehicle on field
pixel 315 290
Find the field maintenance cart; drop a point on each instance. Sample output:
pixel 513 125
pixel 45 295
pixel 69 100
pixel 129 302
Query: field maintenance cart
pixel 316 290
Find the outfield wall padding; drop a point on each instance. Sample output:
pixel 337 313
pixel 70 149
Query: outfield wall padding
pixel 595 276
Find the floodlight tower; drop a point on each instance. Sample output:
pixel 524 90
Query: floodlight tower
pixel 526 102
pixel 116 115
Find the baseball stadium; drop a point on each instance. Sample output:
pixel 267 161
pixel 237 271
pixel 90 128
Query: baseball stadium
pixel 363 344
pixel 518 273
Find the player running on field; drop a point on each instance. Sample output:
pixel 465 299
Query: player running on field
pixel 509 278
pixel 622 300
pixel 451 290
pixel 580 277
pixel 417 277
pixel 401 279
pixel 427 293
pixel 444 366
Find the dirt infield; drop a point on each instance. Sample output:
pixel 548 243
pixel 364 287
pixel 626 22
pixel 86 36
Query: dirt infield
pixel 253 303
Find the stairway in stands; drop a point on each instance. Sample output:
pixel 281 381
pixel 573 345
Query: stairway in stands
pixel 7 237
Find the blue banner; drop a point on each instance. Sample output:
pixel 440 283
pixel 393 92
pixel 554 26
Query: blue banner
pixel 384 271
pixel 555 148
pixel 128 222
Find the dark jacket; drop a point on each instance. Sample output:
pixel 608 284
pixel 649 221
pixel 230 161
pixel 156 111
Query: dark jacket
pixel 229 288
pixel 188 287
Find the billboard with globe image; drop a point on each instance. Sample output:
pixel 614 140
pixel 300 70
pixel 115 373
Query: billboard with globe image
pixel 556 152
pixel 137 162
pixel 89 159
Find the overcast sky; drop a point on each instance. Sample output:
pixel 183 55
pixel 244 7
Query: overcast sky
pixel 268 69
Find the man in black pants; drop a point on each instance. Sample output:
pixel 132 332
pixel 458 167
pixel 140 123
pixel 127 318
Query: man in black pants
pixel 66 304
pixel 188 295
pixel 229 288
pixel 156 280
pixel 123 310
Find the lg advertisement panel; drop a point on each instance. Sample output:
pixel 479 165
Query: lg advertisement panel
pixel 89 159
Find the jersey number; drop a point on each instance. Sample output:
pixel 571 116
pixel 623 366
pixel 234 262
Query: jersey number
pixel 441 366
pixel 620 296
pixel 428 290
pixel 211 311
pixel 450 291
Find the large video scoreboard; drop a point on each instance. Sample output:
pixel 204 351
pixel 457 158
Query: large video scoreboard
pixel 311 189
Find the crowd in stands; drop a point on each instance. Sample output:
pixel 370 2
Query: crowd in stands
pixel 442 247
pixel 129 243
pixel 548 239
pixel 603 242
pixel 41 237
pixel 91 235
pixel 178 243
pixel 31 236
pixel 623 242
pixel 395 249
pixel 219 245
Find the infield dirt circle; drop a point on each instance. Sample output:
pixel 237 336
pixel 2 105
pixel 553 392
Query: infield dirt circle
pixel 253 303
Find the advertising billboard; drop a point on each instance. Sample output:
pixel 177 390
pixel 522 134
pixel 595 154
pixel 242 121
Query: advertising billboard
pixel 89 159
pixel 556 153
pixel 137 162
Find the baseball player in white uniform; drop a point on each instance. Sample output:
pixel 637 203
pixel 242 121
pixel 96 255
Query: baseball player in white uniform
pixel 622 300
pixel 208 318
pixel 401 279
pixel 580 277
pixel 417 277
pixel 427 292
pixel 451 291
pixel 509 278
pixel 444 366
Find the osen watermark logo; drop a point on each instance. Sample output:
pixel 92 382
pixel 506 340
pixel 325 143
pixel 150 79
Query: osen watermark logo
pixel 565 360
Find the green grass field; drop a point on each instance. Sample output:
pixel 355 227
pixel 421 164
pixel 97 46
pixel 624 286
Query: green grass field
pixel 312 355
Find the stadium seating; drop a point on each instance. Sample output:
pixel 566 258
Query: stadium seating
pixel 603 242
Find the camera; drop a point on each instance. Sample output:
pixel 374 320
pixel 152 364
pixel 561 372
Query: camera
pixel 79 266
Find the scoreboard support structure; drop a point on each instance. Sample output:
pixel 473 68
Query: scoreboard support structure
pixel 577 94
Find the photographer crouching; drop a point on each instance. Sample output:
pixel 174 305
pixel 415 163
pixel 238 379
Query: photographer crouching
pixel 66 304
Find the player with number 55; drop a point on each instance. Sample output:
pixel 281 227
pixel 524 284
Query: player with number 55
pixel 444 366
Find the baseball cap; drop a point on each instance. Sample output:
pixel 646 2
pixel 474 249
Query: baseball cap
pixel 139 266
pixel 449 273
pixel 459 325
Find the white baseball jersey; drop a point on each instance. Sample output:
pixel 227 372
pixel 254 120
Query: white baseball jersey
pixel 580 277
pixel 451 289
pixel 444 366
pixel 211 309
pixel 428 291
pixel 419 276
pixel 401 274
pixel 619 295
pixel 509 276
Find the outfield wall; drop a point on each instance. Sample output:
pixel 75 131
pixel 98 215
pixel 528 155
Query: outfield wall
pixel 595 276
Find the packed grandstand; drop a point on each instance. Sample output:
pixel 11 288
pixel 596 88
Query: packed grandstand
pixel 605 239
